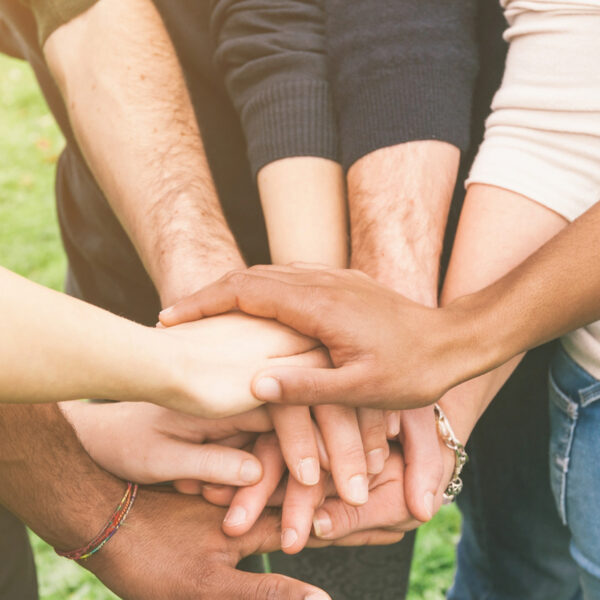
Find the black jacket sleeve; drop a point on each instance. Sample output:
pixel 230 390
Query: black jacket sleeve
pixel 272 56
pixel 401 70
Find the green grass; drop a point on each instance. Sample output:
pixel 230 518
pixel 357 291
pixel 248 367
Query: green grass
pixel 30 245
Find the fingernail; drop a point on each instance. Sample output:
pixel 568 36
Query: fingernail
pixel 267 389
pixel 358 489
pixel 317 596
pixel 309 471
pixel 288 538
pixel 375 461
pixel 322 523
pixel 250 471
pixel 165 312
pixel 237 515
pixel 392 425
pixel 428 502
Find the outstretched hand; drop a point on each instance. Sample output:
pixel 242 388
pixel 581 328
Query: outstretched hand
pixel 388 352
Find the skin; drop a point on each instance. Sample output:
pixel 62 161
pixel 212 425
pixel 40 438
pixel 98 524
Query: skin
pixel 157 553
pixel 304 203
pixel 400 243
pixel 202 369
pixel 166 200
pixel 156 176
pixel 399 198
pixel 167 203
pixel 468 337
pixel 149 444
pixel 498 230
pixel 384 518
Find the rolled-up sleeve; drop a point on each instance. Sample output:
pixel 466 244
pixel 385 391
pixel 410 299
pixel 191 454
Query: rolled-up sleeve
pixel 272 56
pixel 51 14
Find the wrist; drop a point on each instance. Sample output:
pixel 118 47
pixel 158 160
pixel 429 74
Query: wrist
pixel 49 481
pixel 409 277
pixel 483 334
pixel 461 344
pixel 411 269
pixel 182 278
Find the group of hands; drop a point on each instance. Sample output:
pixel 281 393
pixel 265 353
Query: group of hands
pixel 294 414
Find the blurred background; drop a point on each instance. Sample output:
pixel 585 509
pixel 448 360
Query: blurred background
pixel 30 245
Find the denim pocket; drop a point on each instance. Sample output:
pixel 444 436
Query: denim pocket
pixel 563 418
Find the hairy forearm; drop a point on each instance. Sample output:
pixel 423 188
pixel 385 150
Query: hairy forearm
pixel 304 203
pixel 78 350
pixel 133 118
pixel 399 199
pixel 48 480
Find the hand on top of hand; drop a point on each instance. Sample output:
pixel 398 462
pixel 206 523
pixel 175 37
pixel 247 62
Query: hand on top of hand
pixel 212 362
pixel 397 496
pixel 354 440
pixel 388 352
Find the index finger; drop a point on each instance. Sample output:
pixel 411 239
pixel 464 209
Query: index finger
pixel 290 296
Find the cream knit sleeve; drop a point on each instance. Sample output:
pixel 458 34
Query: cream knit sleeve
pixel 542 139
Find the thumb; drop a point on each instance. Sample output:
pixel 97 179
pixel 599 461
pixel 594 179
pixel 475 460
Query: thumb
pixel 306 385
pixel 239 585
pixel 423 462
pixel 265 536
pixel 205 462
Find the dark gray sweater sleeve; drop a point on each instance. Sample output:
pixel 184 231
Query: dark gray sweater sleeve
pixel 401 70
pixel 272 56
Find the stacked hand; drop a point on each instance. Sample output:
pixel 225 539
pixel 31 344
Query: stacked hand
pixel 383 519
pixel 243 456
pixel 370 332
pixel 329 468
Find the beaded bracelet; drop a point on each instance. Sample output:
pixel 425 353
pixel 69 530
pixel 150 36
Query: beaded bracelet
pixel 111 527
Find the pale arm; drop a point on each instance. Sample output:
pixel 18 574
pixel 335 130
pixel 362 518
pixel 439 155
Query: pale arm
pixel 304 202
pixel 134 121
pixel 55 347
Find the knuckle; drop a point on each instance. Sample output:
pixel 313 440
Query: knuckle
pixel 374 430
pixel 270 588
pixel 325 298
pixel 350 451
pixel 350 518
pixel 208 463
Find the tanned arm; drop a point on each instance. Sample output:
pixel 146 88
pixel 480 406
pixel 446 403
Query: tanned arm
pixel 133 118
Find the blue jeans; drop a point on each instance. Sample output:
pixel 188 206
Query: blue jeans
pixel 513 544
pixel 575 464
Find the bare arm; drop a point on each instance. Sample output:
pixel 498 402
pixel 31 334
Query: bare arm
pixel 304 203
pixel 50 482
pixel 470 336
pixel 134 121
pixel 203 368
pixel 498 229
pixel 399 200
